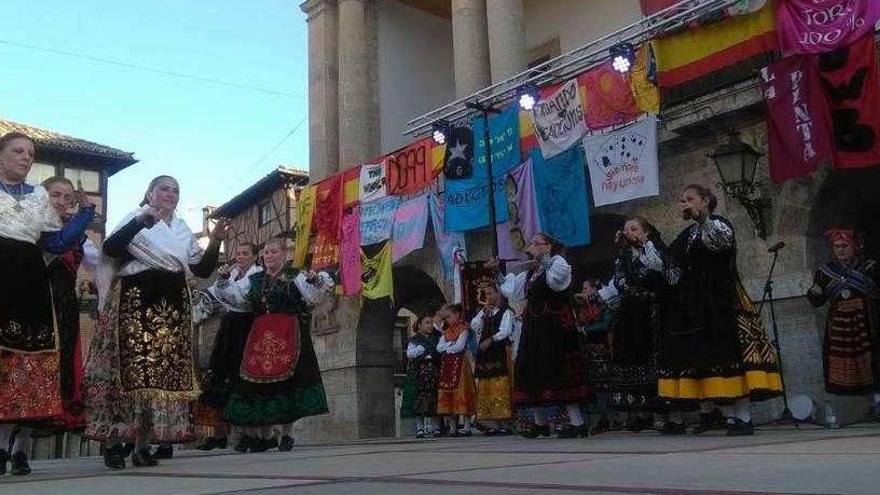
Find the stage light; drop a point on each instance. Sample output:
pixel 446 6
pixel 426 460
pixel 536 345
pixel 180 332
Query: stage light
pixel 622 57
pixel 440 131
pixel 528 96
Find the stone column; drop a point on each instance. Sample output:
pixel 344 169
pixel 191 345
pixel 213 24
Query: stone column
pixel 507 43
pixel 470 46
pixel 354 83
pixel 323 22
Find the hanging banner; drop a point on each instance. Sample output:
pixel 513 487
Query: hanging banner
pixel 798 129
pixel 328 208
pixel 411 169
pixel 849 76
pixel 643 81
pixel 410 222
pixel 448 243
pixel 373 182
pixel 623 163
pixel 377 220
pixel 559 119
pixel 818 26
pixel 350 253
pixel 503 139
pixel 459 160
pixel 305 208
pixel 438 158
pixel 609 98
pixel 376 276
pixel 692 54
pixel 351 187
pixel 527 137
pixel 326 253
pixel 522 222
pixel 476 281
pixel 561 194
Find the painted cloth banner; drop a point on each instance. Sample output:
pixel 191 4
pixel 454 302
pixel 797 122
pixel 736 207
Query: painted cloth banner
pixel 798 128
pixel 410 222
pixel 377 220
pixel 503 139
pixel 447 243
pixel 811 26
pixel 559 119
pixel 522 222
pixel 609 98
pixel 459 159
pixel 467 204
pixel 305 208
pixel 376 276
pixel 351 187
pixel 374 183
pixel 691 54
pixel 849 76
pixel 643 81
pixel 326 253
pixel 328 208
pixel 623 163
pixel 476 281
pixel 411 169
pixel 561 194
pixel 350 262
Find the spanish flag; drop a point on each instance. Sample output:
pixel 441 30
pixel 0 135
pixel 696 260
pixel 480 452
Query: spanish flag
pixel 695 53
pixel 351 187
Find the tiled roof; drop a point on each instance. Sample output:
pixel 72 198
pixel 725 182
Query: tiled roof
pixel 59 142
pixel 259 190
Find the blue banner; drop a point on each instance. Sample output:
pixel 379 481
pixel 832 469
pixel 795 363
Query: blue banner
pixel 467 205
pixel 561 194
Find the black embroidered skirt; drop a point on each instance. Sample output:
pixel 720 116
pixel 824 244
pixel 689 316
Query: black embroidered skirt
pixel 226 358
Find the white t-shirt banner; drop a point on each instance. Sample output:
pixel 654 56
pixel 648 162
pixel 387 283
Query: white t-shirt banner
pixel 559 120
pixel 623 163
pixel 373 182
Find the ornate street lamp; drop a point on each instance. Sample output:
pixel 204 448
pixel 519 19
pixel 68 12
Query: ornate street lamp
pixel 737 162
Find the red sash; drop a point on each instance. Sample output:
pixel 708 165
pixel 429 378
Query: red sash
pixel 272 348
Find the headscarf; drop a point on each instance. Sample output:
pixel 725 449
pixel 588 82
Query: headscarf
pixel 848 236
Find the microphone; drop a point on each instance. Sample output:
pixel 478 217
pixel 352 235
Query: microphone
pixel 776 247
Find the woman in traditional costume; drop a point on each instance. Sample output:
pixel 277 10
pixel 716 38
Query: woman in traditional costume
pixel 140 374
pixel 420 387
pixel 63 271
pixel 279 380
pixel 30 386
pixel 851 350
pixel 550 368
pixel 456 392
pixel 231 289
pixel 714 347
pixel 493 370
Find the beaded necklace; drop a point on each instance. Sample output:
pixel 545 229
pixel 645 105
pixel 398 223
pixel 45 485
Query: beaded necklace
pixel 17 197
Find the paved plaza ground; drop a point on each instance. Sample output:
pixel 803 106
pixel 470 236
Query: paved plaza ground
pixel 776 460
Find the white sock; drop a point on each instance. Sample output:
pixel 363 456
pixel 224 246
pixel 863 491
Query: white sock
pixel 466 420
pixel 538 413
pixel 141 442
pixel 22 440
pixel 575 415
pixel 729 412
pixel 5 433
pixel 743 409
pixel 420 423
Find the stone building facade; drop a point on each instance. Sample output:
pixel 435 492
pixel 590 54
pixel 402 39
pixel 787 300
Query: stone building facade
pixel 373 64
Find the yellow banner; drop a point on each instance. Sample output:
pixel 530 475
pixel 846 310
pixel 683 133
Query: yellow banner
pixel 377 274
pixel 305 210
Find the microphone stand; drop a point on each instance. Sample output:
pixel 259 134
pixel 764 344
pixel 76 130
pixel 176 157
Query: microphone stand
pixel 787 416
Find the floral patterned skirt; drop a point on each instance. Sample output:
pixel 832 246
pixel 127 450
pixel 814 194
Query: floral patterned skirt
pixel 420 389
pixel 140 373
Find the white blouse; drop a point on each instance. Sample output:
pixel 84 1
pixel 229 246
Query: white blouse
pixel 558 271
pixel 169 246
pixel 453 347
pixel 25 220
pixel 504 330
pixel 314 293
pixel 232 291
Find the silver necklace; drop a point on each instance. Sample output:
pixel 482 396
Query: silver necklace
pixel 17 197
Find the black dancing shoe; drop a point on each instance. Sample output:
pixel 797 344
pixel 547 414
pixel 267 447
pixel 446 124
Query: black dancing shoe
pixel 672 428
pixel 4 458
pixel 164 451
pixel 258 445
pixel 709 421
pixel 114 457
pixel 20 465
pixel 244 444
pixel 127 449
pixel 572 431
pixel 142 458
pixel 212 443
pixel 740 428
pixel 286 444
pixel 536 431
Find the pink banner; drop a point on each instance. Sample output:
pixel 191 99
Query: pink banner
pixel 410 222
pixel 350 262
pixel 515 234
pixel 817 26
pixel 798 128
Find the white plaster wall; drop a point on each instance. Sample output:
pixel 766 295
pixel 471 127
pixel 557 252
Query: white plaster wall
pixel 415 68
pixel 576 22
